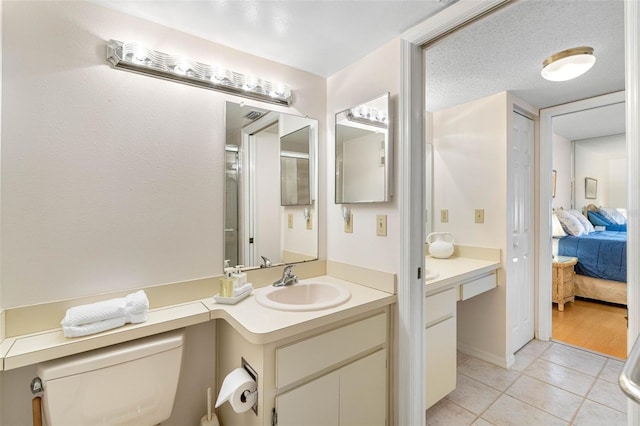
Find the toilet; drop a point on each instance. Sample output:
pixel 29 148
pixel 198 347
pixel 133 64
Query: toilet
pixel 131 383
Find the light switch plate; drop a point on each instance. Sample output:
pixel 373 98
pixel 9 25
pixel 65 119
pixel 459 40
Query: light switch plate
pixel 348 224
pixel 381 225
pixel 309 223
pixel 444 215
pixel 479 215
pixel 290 220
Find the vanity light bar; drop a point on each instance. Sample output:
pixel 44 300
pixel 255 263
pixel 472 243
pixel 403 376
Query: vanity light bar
pixel 137 58
pixel 367 115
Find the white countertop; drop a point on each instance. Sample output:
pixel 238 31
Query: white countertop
pixel 456 270
pixel 256 323
pixel 261 325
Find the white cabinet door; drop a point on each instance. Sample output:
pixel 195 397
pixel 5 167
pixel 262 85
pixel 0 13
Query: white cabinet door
pixel 363 396
pixel 313 404
pixel 355 395
pixel 440 353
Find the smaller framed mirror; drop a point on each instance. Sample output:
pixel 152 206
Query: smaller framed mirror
pixel 364 149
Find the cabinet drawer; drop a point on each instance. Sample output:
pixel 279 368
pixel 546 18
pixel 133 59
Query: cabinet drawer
pixel 440 305
pixel 475 287
pixel 301 359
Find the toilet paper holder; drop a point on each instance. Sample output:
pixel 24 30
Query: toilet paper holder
pixel 254 376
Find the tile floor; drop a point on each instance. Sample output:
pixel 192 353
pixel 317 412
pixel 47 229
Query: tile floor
pixel 550 384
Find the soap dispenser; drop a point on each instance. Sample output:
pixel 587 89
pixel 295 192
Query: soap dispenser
pixel 241 277
pixel 227 282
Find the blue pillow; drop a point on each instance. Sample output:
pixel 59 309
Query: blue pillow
pixel 598 219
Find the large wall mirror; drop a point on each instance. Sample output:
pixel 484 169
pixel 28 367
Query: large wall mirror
pixel 364 152
pixel 271 207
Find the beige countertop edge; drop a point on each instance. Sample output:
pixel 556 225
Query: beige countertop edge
pixel 259 325
pixel 262 337
pixel 38 347
pixel 458 270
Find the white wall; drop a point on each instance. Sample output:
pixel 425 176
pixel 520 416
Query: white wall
pixel 562 164
pixel 603 159
pixel 112 180
pixel 366 79
pixel 470 172
pixel 268 233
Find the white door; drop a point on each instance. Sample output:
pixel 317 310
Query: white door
pixel 520 232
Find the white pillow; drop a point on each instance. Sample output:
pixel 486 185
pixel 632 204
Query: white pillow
pixel 570 223
pixel 612 214
pixel 556 227
pixel 588 226
pixel 623 212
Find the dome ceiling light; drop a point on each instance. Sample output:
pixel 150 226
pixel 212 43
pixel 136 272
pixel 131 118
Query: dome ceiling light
pixel 568 64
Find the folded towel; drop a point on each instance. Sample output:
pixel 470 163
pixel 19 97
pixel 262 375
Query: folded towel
pixel 94 327
pixel 136 303
pixel 136 318
pixel 133 308
pixel 94 312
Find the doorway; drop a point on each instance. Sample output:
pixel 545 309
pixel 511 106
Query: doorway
pixel 412 155
pixel 604 296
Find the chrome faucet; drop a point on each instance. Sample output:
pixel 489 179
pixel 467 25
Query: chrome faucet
pixel 267 262
pixel 287 277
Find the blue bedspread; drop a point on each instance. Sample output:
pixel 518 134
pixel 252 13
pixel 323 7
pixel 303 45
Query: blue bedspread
pixel 600 254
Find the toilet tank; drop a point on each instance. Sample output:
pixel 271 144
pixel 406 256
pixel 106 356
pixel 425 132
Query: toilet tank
pixel 131 383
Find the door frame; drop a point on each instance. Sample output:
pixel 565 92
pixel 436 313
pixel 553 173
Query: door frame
pixel 250 251
pixel 410 396
pixel 545 204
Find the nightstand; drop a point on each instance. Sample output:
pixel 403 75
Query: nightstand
pixel 562 290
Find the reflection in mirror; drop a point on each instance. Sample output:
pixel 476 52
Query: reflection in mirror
pixel 364 152
pixel 270 210
pixel 294 168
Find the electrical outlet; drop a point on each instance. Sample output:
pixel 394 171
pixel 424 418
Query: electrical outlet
pixel 381 225
pixel 309 223
pixel 290 220
pixel 444 215
pixel 348 224
pixel 479 215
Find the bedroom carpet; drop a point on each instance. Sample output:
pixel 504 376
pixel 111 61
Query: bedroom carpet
pixel 595 326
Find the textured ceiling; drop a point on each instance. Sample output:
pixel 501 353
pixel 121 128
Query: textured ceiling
pixel 320 37
pixel 505 50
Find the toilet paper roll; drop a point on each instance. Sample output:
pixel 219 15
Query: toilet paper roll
pixel 239 388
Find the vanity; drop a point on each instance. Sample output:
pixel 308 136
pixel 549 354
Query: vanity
pixel 450 280
pixel 332 373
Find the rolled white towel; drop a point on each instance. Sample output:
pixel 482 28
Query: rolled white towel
pixel 94 312
pixel 136 318
pixel 92 328
pixel 136 303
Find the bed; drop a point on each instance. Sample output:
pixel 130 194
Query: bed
pixel 601 271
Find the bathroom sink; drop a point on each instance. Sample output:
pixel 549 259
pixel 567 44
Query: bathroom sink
pixel 307 296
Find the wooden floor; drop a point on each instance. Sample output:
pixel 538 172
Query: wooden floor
pixel 591 325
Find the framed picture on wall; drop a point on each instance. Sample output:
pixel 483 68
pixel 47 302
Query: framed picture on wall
pixel 553 183
pixel 590 188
